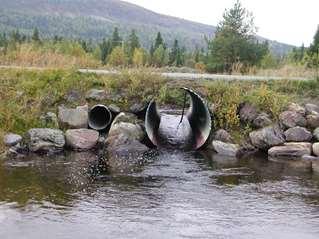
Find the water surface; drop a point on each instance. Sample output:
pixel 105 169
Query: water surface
pixel 173 195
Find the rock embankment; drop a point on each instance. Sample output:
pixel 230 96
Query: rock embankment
pixel 294 136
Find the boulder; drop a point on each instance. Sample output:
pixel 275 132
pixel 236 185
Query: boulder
pixel 311 108
pixel 290 119
pixel 73 118
pixel 315 149
pixel 267 137
pixel 125 136
pixel 81 139
pixel 45 140
pixel 96 95
pixel 290 150
pixel 223 135
pixel 316 133
pixel 114 109
pixel 262 120
pixel 247 112
pixel 50 120
pixel 298 134
pixel 297 108
pixel 225 148
pixel 313 120
pixel 10 140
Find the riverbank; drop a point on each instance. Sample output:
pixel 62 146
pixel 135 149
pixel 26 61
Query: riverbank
pixel 28 95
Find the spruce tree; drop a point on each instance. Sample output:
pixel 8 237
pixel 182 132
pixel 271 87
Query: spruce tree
pixel 36 35
pixel 116 39
pixel 159 41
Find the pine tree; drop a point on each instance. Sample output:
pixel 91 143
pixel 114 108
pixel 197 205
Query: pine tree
pixel 174 53
pixel 315 44
pixel 133 43
pixel 159 41
pixel 116 39
pixel 105 48
pixel 36 35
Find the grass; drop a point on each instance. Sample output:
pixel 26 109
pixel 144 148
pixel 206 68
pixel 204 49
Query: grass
pixel 33 55
pixel 26 94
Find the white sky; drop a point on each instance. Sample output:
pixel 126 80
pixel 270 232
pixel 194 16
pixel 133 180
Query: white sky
pixel 289 21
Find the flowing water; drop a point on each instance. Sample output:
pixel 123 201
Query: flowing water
pixel 171 194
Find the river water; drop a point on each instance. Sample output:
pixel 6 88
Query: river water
pixel 171 194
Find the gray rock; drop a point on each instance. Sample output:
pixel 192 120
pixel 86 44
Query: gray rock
pixel 297 108
pixel 316 133
pixel 81 139
pixel 298 134
pixel 315 149
pixel 290 150
pixel 290 119
pixel 262 120
pixel 114 109
pixel 223 135
pixel 45 140
pixel 225 148
pixel 11 139
pixel 246 149
pixel 313 120
pixel 73 96
pixel 96 95
pixel 310 108
pixel 50 120
pixel 267 137
pixel 247 112
pixel 136 108
pixel 73 118
pixel 125 136
pixel 309 157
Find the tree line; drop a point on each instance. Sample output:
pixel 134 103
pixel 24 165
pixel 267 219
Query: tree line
pixel 233 48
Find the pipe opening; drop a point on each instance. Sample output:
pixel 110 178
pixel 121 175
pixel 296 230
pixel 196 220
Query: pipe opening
pixel 100 117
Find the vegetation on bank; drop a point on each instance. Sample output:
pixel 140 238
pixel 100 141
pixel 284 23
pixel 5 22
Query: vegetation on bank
pixel 234 49
pixel 26 95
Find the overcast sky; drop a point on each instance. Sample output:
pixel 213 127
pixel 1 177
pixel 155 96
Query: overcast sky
pixel 289 21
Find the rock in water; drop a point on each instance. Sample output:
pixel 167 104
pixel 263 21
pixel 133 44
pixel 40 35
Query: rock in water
pixel 292 150
pixel 73 118
pixel 315 149
pixel 81 139
pixel 298 134
pixel 125 136
pixel 290 119
pixel 12 139
pixel 225 148
pixel 45 140
pixel 267 137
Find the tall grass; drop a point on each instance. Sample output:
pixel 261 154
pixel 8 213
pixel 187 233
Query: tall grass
pixel 31 54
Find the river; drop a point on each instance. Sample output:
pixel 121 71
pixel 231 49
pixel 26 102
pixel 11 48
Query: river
pixel 170 194
pixel 173 195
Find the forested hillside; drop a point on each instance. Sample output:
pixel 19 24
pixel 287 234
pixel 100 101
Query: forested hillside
pixel 96 19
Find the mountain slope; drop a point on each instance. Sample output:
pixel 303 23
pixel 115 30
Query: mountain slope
pixel 95 19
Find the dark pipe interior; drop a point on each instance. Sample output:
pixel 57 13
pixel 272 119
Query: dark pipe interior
pixel 100 117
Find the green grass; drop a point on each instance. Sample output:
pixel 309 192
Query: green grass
pixel 25 94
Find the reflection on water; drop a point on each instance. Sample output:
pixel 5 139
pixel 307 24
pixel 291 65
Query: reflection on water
pixel 173 194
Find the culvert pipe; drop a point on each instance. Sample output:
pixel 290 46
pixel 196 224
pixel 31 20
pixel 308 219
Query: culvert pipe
pixel 100 117
pixel 198 116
